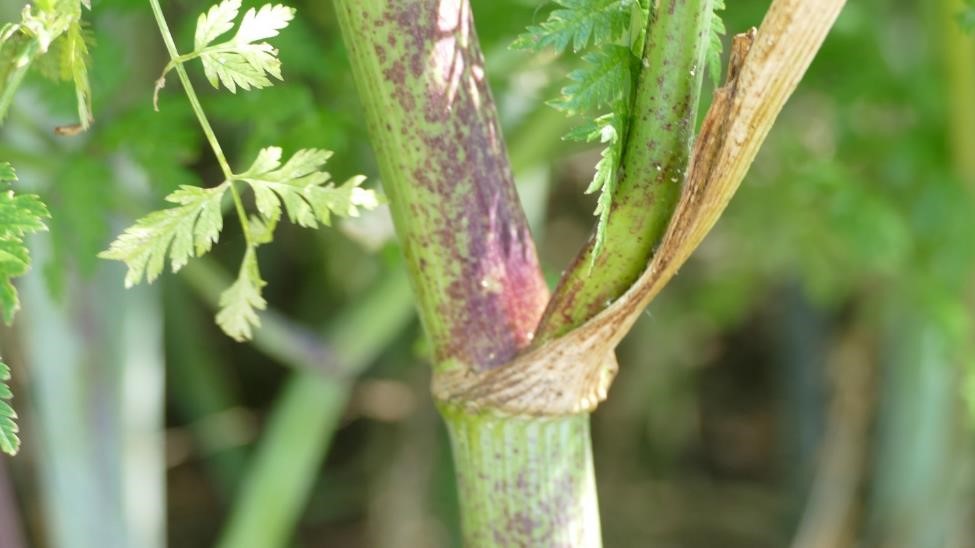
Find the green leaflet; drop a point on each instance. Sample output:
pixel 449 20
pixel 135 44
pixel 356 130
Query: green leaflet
pixel 20 215
pixel 715 47
pixel 243 61
pixel 609 130
pixel 240 302
pixel 604 82
pixel 613 32
pixel 601 21
pixel 191 228
pixel 188 230
pixel 298 186
pixel 9 441
pixel 308 196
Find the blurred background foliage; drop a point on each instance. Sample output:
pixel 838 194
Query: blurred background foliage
pixel 803 382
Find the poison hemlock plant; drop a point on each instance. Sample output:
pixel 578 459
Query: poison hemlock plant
pixel 299 186
pixel 515 381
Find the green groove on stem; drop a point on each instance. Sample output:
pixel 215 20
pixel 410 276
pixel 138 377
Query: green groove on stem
pixel 525 481
pixel 654 164
pixel 201 116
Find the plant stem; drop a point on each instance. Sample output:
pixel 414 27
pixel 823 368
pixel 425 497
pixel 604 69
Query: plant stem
pixel 525 481
pixel 188 88
pixel 205 391
pixel 98 397
pixel 432 122
pixel 653 167
pixel 201 117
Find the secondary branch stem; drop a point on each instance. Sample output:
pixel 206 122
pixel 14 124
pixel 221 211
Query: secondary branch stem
pixel 201 116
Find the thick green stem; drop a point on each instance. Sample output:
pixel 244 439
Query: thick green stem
pixel 653 167
pixel 525 481
pixel 419 72
pixel 433 124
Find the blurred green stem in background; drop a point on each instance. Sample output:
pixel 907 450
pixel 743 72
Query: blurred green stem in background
pixel 923 472
pixel 920 473
pixel 959 65
pixel 305 418
pixel 205 392
pixel 97 370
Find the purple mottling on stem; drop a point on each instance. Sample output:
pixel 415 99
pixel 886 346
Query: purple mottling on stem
pixel 478 234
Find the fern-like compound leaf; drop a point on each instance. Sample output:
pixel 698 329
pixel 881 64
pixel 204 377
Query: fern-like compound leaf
pixel 601 88
pixel 188 230
pixel 303 188
pixel 240 303
pixel 609 130
pixel 9 441
pixel 602 81
pixel 578 22
pixel 715 46
pixel 244 61
pixel 20 215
